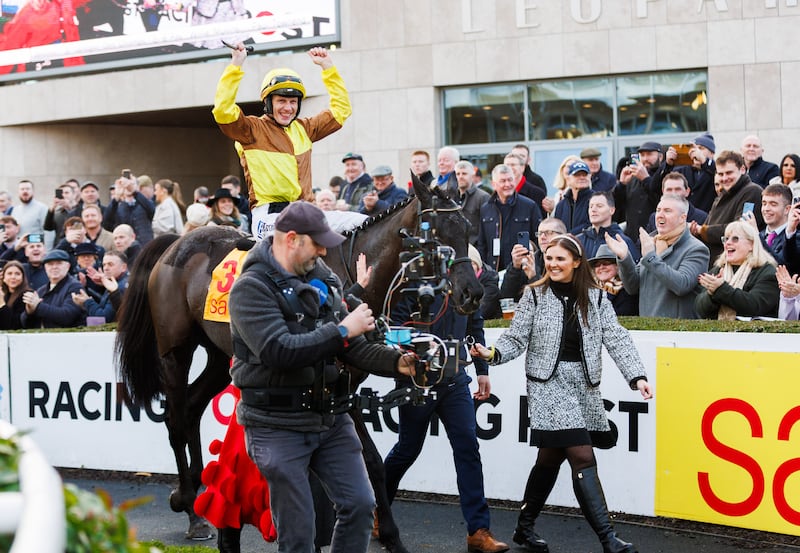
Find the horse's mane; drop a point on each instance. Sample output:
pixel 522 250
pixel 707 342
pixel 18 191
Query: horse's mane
pixel 374 219
pixel 394 208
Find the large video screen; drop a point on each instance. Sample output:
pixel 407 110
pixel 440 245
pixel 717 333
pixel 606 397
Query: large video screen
pixel 50 38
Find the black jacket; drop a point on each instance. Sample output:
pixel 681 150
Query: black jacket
pixel 522 214
pixel 760 172
pixel 275 349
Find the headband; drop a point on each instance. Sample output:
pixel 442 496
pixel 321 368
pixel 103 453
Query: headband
pixel 569 239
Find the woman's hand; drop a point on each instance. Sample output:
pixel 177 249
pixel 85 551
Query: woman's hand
pixel 363 271
pixel 480 351
pixel 645 389
pixel 789 285
pixel 710 282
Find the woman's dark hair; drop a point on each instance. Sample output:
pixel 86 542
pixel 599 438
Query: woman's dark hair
pixel 796 159
pixel 582 279
pixel 234 219
pixel 10 296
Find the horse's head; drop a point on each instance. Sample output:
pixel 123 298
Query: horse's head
pixel 452 229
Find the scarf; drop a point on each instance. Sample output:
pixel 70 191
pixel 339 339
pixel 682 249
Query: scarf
pixel 664 241
pixel 612 286
pixel 736 278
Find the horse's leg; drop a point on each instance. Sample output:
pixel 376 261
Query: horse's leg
pixel 201 391
pixel 180 426
pixel 388 533
pixel 205 387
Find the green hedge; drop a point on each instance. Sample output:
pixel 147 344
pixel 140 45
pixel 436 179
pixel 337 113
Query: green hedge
pixel 631 323
pixel 692 325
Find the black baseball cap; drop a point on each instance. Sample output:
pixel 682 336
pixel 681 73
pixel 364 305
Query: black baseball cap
pixel 306 218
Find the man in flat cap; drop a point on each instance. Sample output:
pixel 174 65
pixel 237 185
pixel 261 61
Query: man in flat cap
pixel 90 195
pixel 384 194
pixel 289 328
pixel 602 181
pixel 51 306
pixel 357 183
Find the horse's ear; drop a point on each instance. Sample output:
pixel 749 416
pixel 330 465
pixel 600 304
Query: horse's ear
pixel 420 190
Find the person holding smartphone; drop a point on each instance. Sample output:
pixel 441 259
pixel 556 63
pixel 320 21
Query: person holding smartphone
pixel 12 246
pixel 64 201
pixel 791 249
pixel 385 193
pixel 736 190
pixel 639 188
pixel 130 207
pixel 505 214
pixel 776 201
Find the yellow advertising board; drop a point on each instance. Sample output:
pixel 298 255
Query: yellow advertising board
pixel 728 438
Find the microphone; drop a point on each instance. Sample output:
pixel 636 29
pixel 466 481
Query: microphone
pixel 322 288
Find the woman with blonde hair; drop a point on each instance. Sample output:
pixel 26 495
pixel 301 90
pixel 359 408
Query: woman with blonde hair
pixel 169 209
pixel 13 283
pixel 742 281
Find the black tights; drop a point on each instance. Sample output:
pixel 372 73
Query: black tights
pixel 580 457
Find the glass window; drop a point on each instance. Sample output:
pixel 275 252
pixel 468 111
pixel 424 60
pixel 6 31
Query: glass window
pixel 484 114
pixel 563 110
pixel 662 103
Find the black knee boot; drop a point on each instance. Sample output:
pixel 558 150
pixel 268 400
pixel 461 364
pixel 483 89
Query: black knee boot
pixel 228 540
pixel 590 496
pixel 540 483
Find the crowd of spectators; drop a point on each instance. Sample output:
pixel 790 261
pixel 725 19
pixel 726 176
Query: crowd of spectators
pixel 687 234
pixel 66 264
pixel 675 231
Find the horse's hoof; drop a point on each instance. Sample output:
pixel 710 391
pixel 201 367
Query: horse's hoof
pixel 393 546
pixel 199 530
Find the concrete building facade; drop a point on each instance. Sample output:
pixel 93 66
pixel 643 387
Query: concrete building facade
pixel 400 60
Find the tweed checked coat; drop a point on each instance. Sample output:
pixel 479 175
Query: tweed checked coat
pixel 538 326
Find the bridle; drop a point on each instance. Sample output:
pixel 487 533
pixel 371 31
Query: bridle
pixel 434 211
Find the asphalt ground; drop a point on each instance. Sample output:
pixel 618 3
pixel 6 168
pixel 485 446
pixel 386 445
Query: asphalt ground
pixel 435 525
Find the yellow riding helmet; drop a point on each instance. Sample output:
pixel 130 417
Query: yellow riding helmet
pixel 283 82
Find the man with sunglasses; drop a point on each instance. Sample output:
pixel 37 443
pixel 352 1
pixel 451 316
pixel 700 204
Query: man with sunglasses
pixel 276 147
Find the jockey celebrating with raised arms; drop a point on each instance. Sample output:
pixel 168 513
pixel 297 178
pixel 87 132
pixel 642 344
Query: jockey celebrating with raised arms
pixel 276 147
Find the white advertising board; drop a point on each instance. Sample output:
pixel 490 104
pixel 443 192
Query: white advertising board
pixel 62 387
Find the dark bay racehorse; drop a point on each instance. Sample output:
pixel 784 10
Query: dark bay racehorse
pixel 161 325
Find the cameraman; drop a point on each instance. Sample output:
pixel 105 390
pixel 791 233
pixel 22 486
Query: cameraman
pixel 450 400
pixel 292 389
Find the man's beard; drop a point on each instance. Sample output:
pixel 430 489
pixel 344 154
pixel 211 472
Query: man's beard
pixel 23 200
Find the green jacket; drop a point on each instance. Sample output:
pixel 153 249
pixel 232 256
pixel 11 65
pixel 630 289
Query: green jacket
pixel 758 298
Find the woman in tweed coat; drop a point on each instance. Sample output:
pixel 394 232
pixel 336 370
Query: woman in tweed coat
pixel 563 321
